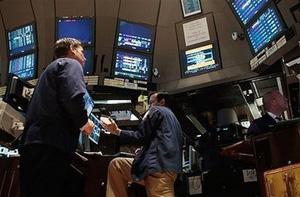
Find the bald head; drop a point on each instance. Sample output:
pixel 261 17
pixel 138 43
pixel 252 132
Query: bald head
pixel 275 102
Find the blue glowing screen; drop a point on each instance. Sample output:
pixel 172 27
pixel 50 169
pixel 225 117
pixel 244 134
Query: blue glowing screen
pixel 199 60
pixel 89 63
pixel 24 66
pixel 265 29
pixel 79 28
pixel 246 9
pixel 21 39
pixel 132 65
pixel 135 36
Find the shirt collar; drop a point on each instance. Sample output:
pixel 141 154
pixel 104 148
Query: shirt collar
pixel 273 116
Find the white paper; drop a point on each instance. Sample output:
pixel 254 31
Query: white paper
pixel 195 185
pixel 196 32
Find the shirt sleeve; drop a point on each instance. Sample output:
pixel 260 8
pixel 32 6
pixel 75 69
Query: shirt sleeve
pixel 147 129
pixel 71 91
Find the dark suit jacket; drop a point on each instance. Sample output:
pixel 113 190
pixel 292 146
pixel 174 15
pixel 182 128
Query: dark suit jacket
pixel 161 136
pixel 261 125
pixel 56 111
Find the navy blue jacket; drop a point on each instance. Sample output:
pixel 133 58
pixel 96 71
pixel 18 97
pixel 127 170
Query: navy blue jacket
pixel 161 136
pixel 56 111
pixel 261 125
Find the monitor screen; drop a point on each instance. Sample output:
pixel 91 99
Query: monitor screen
pixel 199 60
pixel 21 39
pixel 245 10
pixel 81 28
pixel 132 65
pixel 89 103
pixel 135 36
pixel 267 27
pixel 24 66
pixel 88 67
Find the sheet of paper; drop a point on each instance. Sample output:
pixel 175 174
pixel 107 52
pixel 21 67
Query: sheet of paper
pixel 196 31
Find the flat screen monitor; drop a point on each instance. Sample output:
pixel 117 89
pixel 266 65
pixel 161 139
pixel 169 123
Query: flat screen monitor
pixel 88 67
pixel 81 28
pixel 135 36
pixel 265 29
pixel 132 65
pixel 88 103
pixel 24 66
pixel 199 60
pixel 245 10
pixel 21 39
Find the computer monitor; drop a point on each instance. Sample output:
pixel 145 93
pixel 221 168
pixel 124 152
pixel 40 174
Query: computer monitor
pixel 21 39
pixel 18 93
pixel 24 66
pixel 245 10
pixel 135 36
pixel 264 29
pixel 88 68
pixel 199 60
pixel 131 65
pixel 81 28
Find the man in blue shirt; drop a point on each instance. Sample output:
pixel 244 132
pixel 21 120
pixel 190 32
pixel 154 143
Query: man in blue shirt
pixel 54 119
pixel 157 163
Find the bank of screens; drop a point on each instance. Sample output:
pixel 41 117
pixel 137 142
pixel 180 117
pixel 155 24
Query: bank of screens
pixel 131 65
pixel 21 39
pixel 199 60
pixel 23 66
pixel 245 10
pixel 81 28
pixel 135 36
pixel 266 28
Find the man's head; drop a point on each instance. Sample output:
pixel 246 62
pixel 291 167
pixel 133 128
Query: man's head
pixel 71 48
pixel 159 99
pixel 275 102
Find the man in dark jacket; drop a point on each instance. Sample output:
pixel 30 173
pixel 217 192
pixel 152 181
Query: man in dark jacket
pixel 157 163
pixel 275 104
pixel 54 119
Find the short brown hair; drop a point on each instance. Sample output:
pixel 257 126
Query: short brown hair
pixel 62 46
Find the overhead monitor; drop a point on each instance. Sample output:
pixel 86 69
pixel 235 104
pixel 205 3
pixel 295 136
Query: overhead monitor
pixel 80 28
pixel 245 10
pixel 265 29
pixel 88 67
pixel 132 65
pixel 199 60
pixel 135 36
pixel 21 39
pixel 24 66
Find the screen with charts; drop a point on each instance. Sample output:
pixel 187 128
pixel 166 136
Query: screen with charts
pixel 267 27
pixel 21 39
pixel 245 10
pixel 81 28
pixel 24 66
pixel 199 60
pixel 88 67
pixel 132 65
pixel 135 36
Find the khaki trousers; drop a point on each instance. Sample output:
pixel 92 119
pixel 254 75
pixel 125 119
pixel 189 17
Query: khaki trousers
pixel 159 184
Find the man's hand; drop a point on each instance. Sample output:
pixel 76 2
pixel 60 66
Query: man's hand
pixel 110 125
pixel 88 127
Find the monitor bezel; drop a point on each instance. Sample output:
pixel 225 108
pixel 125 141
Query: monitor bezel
pixel 33 23
pixel 152 28
pixel 22 55
pixel 92 48
pixel 133 52
pixel 254 16
pixel 77 18
pixel 217 58
pixel 273 6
